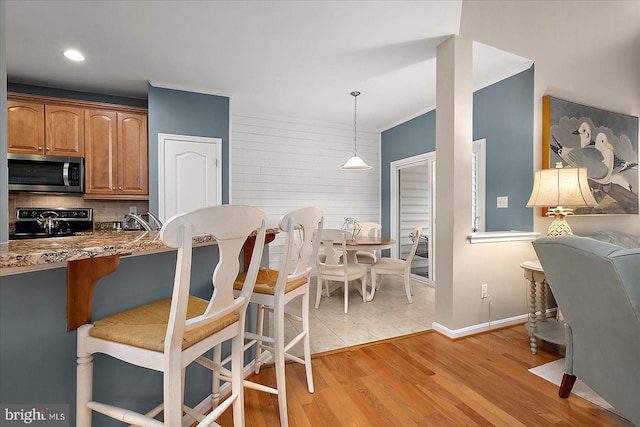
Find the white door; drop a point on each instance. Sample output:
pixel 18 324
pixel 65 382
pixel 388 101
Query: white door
pixel 189 175
pixel 412 203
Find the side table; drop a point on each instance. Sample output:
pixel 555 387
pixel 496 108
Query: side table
pixel 538 325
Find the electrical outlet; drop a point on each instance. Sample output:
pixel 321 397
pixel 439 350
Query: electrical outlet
pixel 133 209
pixel 484 292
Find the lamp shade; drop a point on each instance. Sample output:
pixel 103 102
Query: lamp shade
pixel 355 163
pixel 561 187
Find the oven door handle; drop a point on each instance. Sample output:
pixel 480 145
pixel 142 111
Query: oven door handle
pixel 65 174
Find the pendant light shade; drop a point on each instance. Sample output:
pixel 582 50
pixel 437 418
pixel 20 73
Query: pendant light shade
pixel 355 162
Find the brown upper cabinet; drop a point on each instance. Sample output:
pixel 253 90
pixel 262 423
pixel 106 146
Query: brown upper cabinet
pixel 36 128
pixel 25 127
pixel 64 134
pixel 116 155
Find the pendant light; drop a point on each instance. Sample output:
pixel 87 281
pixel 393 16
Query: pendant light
pixel 355 162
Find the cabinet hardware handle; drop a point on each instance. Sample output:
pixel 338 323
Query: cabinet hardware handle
pixel 48 149
pixel 119 188
pixel 39 148
pixel 114 188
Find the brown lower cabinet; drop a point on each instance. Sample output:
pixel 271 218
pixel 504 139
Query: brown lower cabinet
pixel 116 155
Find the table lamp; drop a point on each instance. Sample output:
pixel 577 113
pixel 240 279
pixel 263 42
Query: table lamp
pixel 558 188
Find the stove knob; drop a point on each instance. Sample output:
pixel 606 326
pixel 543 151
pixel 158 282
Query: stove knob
pixel 83 214
pixel 34 214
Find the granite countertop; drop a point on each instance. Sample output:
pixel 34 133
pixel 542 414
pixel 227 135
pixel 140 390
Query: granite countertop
pixel 18 255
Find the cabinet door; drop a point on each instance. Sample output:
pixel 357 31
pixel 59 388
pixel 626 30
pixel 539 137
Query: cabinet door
pixel 133 157
pixel 65 131
pixel 25 124
pixel 100 152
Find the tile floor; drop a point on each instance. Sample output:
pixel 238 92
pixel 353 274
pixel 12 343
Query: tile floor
pixel 388 315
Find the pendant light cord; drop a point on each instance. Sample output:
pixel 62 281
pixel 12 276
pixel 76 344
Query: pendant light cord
pixel 355 115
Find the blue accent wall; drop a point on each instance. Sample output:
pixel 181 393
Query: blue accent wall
pixel 186 113
pixel 503 114
pixel 411 138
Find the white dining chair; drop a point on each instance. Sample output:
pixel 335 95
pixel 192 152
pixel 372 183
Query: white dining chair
pixel 372 230
pixel 337 268
pixel 170 334
pixel 274 290
pixel 401 267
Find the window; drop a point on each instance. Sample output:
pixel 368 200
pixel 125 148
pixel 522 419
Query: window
pixel 478 165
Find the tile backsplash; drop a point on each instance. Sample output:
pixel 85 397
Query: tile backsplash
pixel 103 210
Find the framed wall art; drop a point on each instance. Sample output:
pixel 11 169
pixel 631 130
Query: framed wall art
pixel 604 142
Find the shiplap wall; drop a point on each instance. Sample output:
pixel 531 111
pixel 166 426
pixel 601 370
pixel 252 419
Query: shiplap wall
pixel 282 164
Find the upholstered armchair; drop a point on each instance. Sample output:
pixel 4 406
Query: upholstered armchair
pixel 597 287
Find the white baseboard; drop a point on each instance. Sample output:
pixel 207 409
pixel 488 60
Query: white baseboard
pixel 476 329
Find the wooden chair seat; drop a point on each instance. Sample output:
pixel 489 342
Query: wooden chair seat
pixel 390 264
pixel 339 271
pixel 266 282
pixel 146 326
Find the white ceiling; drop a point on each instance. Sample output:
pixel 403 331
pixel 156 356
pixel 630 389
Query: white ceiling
pixel 298 59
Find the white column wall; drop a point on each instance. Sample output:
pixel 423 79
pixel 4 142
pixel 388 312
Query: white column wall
pixel 460 266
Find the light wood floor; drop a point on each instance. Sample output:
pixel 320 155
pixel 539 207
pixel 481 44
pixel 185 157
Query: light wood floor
pixel 425 380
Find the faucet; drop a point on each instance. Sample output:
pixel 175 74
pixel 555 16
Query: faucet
pixel 135 218
pixel 48 220
pixel 155 220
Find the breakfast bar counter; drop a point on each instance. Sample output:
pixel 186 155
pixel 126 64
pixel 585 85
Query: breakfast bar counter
pixel 39 280
pixel 19 256
pixel 88 257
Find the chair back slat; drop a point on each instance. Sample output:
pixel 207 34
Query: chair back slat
pixel 331 238
pixel 301 247
pixel 416 232
pixel 230 226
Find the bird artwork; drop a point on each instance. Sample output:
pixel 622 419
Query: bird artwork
pixel 585 134
pixel 604 143
pixel 598 159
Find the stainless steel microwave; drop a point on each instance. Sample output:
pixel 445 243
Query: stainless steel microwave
pixel 45 174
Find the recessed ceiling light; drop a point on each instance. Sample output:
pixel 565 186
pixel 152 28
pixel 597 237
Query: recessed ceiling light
pixel 74 55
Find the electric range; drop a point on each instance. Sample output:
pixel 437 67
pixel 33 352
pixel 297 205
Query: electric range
pixel 36 223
